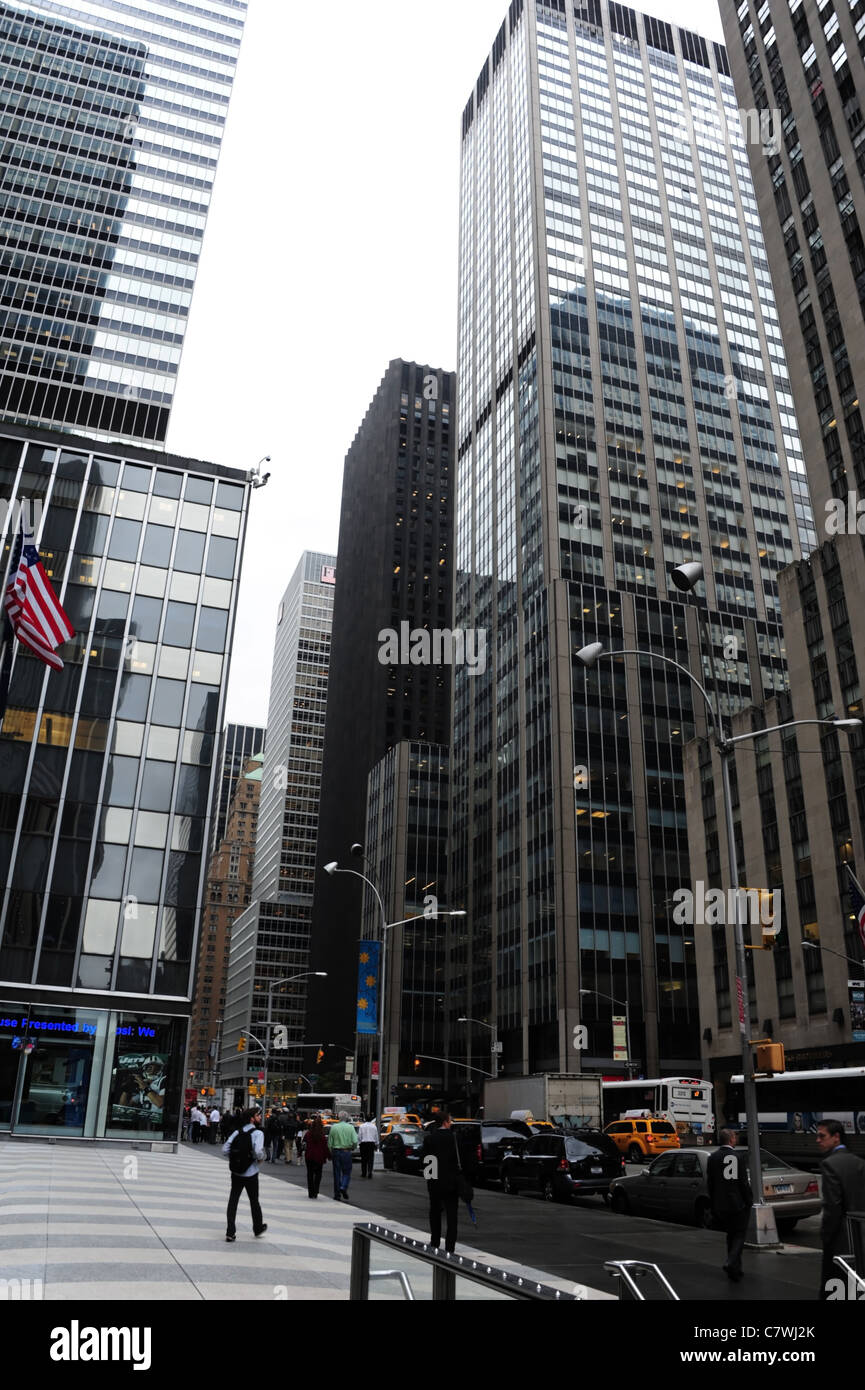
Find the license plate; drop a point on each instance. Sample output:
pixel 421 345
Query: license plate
pixel 597 1170
pixel 782 1188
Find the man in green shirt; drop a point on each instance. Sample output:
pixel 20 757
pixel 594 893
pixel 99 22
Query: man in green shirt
pixel 341 1141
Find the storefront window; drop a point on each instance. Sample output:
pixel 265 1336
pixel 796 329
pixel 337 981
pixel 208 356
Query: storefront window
pixel 47 1070
pixel 146 1076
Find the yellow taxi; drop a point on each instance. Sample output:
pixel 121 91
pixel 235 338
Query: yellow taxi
pixel 643 1138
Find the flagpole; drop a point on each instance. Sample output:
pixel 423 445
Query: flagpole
pixel 5 667
pixel 8 638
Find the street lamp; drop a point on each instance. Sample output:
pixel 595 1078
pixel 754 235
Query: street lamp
pixel 333 868
pixel 494 1050
pixel 621 1005
pixel 762 1229
pixel 289 979
pixel 818 946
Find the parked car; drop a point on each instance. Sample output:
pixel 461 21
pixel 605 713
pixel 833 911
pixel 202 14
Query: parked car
pixel 643 1138
pixel 674 1186
pixel 492 1139
pixel 401 1149
pixel 560 1166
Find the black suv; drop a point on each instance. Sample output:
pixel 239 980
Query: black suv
pixel 492 1139
pixel 564 1164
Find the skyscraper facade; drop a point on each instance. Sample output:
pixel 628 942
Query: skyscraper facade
pixel 624 407
pixel 406 840
pixel 395 580
pixel 227 892
pixel 106 772
pixel 804 61
pixel 801 817
pixel 111 119
pixel 271 940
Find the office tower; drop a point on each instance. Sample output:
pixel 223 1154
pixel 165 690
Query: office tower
pixel 111 118
pixel 624 407
pixel 227 892
pixel 803 63
pixel 106 771
pixel 395 578
pixel 270 941
pixel 237 744
pixel 798 68
pixel 406 839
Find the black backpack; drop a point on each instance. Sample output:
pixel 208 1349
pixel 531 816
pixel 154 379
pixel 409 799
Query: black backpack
pixel 241 1155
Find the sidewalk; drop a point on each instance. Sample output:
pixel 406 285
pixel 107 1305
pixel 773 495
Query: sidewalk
pixel 100 1223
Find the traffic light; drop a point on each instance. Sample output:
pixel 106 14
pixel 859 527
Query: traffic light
pixel 770 1057
pixel 252 1088
pixel 417 1063
pixel 319 1056
pixel 241 1044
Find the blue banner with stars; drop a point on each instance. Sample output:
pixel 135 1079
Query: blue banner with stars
pixel 367 986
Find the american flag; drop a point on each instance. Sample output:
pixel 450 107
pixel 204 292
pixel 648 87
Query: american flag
pixel 35 615
pixel 857 900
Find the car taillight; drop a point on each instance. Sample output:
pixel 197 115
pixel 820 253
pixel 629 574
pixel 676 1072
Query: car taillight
pixel 480 1153
pixel 813 1186
pixel 564 1166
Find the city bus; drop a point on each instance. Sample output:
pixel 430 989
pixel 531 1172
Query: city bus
pixel 683 1101
pixel 792 1104
pixel 327 1103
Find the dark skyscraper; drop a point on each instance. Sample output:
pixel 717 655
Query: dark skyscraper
pixel 394 578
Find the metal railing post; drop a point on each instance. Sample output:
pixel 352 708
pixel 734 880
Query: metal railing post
pixel 358 1291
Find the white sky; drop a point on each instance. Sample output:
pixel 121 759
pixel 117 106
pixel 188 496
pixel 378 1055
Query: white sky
pixel 331 248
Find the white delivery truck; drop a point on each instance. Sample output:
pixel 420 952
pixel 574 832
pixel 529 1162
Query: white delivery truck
pixel 565 1098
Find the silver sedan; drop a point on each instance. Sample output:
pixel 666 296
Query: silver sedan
pixel 674 1186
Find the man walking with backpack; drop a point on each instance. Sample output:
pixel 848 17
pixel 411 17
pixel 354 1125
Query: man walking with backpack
pixel 244 1149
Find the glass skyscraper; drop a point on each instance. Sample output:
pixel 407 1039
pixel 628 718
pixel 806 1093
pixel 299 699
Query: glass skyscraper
pixel 106 777
pixel 624 407
pixel 111 119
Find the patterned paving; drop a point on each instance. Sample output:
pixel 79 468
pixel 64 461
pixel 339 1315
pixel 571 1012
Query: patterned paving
pixel 99 1223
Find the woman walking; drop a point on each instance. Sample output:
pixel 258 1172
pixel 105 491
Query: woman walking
pixel 315 1144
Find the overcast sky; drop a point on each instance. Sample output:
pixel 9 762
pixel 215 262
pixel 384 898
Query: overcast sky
pixel 331 248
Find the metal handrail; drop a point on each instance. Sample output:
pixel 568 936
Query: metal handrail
pixel 628 1271
pixel 446 1269
pixel 399 1274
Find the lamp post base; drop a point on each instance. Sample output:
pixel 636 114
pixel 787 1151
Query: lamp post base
pixel 762 1231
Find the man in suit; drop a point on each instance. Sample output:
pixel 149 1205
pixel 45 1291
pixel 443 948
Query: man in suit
pixel 441 1168
pixel 730 1196
pixel 843 1191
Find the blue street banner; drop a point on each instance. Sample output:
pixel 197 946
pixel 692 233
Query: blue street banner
pixel 367 986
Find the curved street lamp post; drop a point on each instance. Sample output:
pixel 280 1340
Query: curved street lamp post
pixel 289 979
pixel 333 868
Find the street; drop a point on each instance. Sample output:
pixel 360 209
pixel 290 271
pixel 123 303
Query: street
pixel 573 1242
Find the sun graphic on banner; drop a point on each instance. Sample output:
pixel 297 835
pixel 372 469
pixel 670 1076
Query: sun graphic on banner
pixel 369 981
pixel 362 1004
pixel 364 957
